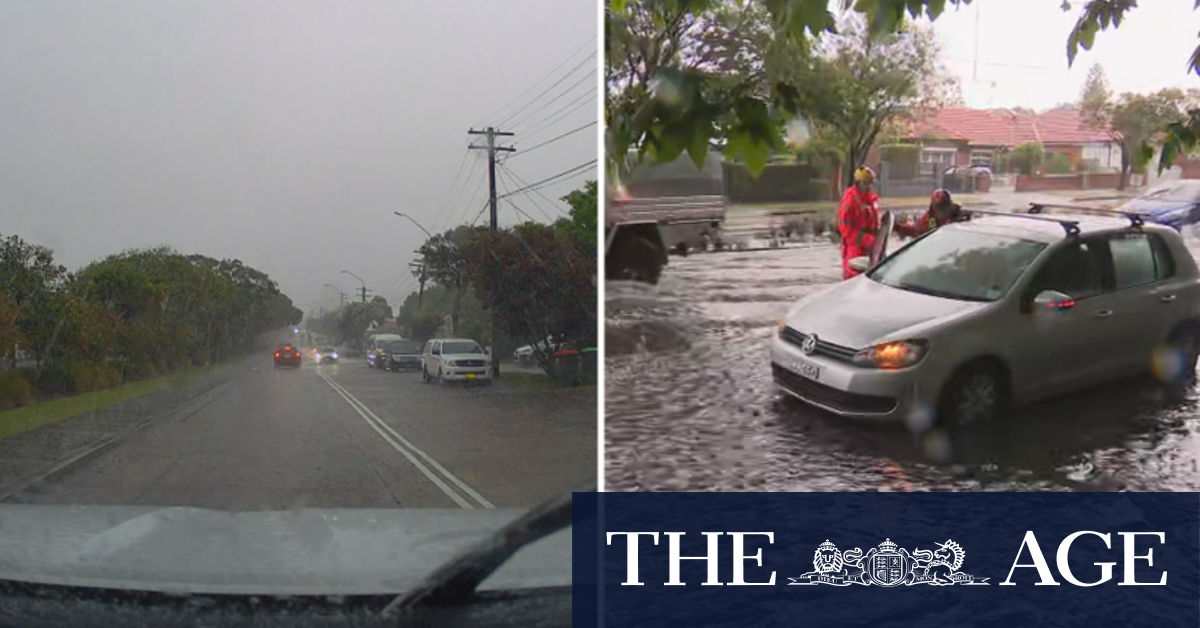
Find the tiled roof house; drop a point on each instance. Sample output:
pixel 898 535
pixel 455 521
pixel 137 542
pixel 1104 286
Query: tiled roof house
pixel 960 136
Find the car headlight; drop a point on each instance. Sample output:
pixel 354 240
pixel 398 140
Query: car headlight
pixel 892 355
pixel 334 355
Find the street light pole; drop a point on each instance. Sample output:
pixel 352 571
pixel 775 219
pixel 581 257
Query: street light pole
pixel 341 295
pixel 418 266
pixel 414 221
pixel 360 280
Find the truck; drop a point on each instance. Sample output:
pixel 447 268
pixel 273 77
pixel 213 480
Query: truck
pixel 662 209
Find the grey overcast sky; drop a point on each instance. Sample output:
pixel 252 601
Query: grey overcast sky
pixel 1022 47
pixel 283 133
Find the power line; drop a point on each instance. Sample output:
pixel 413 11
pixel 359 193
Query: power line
pixel 504 122
pixel 466 184
pixel 538 192
pixel 527 116
pixel 551 141
pixel 461 163
pixel 539 82
pixel 579 102
pixel 548 218
pixel 557 176
pixel 467 207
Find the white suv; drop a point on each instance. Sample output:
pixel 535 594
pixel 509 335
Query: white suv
pixel 455 360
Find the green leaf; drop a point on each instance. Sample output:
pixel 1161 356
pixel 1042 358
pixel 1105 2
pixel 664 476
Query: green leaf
pixel 617 6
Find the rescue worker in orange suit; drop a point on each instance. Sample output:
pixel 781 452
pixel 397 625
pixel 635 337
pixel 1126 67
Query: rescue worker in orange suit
pixel 942 211
pixel 858 219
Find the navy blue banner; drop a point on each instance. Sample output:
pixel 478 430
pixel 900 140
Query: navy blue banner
pixel 857 559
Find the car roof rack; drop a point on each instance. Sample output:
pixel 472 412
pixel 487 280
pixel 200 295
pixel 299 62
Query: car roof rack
pixel 1135 217
pixel 1069 226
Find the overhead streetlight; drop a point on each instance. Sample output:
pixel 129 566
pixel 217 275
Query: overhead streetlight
pixel 414 221
pixel 360 280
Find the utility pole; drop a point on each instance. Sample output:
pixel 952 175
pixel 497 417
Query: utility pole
pixel 360 280
pixel 418 270
pixel 492 149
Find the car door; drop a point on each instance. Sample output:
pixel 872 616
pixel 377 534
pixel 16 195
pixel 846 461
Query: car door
pixel 1145 312
pixel 1061 349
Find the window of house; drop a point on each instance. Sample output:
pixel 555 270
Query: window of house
pixel 981 158
pixel 935 160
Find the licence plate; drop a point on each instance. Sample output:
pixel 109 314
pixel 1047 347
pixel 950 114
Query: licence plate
pixel 470 376
pixel 807 369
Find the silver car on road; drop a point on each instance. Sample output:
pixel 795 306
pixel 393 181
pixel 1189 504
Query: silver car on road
pixel 999 310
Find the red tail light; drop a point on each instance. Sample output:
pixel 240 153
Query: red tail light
pixel 276 354
pixel 297 354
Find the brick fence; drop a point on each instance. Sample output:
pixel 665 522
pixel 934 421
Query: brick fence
pixel 1039 183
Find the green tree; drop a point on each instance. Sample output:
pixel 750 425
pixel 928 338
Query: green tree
pixel 1138 119
pixel 582 224
pixel 537 284
pixel 861 83
pixel 1027 158
pixel 1095 99
pixel 446 264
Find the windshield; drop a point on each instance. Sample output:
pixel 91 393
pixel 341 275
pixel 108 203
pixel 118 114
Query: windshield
pixel 461 347
pixel 959 264
pixel 1174 191
pixel 219 224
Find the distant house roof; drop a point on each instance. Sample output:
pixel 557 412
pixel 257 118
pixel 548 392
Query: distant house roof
pixel 1008 128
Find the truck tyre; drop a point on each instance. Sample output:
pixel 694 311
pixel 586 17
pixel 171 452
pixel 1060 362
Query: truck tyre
pixel 639 260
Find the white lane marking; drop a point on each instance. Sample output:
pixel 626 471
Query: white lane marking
pixel 434 463
pixel 458 499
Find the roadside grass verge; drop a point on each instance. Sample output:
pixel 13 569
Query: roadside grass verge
pixel 529 380
pixel 14 422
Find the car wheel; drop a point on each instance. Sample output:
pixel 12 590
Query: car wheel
pixel 1185 340
pixel 425 375
pixel 440 380
pixel 975 394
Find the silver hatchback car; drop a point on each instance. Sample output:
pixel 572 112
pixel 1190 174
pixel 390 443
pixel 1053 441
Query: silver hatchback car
pixel 999 310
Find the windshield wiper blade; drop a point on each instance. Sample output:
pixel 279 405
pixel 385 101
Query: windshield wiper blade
pixel 457 579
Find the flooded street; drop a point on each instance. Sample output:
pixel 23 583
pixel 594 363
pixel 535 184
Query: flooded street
pixel 691 406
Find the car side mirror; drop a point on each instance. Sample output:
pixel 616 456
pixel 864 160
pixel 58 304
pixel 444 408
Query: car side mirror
pixel 1052 300
pixel 860 264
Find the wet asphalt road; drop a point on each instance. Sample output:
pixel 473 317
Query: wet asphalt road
pixel 690 404
pixel 344 436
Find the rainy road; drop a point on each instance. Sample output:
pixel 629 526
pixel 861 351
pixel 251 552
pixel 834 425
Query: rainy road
pixel 337 436
pixel 690 404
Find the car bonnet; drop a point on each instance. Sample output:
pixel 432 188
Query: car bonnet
pixel 292 552
pixel 861 312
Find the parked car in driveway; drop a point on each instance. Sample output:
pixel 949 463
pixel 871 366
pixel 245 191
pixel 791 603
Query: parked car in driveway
pixel 287 354
pixel 398 355
pixel 999 310
pixel 455 360
pixel 1172 203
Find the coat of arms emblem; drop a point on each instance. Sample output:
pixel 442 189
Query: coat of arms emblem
pixel 888 565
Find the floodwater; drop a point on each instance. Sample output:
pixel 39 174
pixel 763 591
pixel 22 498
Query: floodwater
pixel 690 404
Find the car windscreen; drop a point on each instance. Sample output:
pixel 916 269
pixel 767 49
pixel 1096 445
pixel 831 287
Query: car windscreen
pixel 461 347
pixel 959 264
pixel 401 346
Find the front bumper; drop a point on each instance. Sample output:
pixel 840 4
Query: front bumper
pixel 467 374
pixel 845 389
